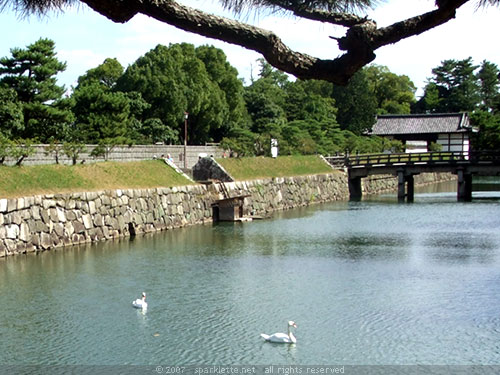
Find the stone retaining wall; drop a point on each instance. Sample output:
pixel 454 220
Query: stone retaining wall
pixel 268 195
pixel 44 222
pixel 382 183
pixel 49 221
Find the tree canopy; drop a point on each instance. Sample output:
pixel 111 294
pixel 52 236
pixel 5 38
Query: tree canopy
pixel 30 73
pixel 362 37
pixel 146 103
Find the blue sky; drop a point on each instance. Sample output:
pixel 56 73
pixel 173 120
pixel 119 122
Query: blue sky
pixel 84 38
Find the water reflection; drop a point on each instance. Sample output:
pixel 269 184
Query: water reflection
pixel 372 247
pixel 468 247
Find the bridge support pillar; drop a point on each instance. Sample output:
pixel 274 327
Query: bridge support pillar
pixel 410 188
pixel 464 188
pixel 355 191
pixel 406 188
pixel 401 186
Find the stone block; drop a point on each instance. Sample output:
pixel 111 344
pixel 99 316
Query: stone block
pixel 53 215
pixel 3 205
pixel 20 203
pixel 67 241
pixel 61 216
pixel 114 224
pixel 24 233
pixel 87 221
pixel 45 241
pixel 16 218
pixel 98 220
pixel 48 203
pixel 59 229
pixel 40 226
pixel 10 246
pixel 45 216
pixel 92 208
pixel 12 231
pixel 105 200
pixel 124 199
pixel 138 219
pixel 35 240
pixel 3 249
pixel 78 227
pixel 71 215
pixel 121 222
pixel 56 240
pixel 98 204
pixel 91 195
pixel 21 248
pixel 106 233
pixel 35 212
pixel 69 229
pixel 11 204
pixel 84 206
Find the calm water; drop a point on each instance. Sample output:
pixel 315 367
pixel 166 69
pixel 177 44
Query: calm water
pixel 373 282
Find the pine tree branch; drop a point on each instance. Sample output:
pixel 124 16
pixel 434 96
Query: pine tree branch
pixel 360 42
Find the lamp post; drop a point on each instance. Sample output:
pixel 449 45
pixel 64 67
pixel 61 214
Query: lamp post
pixel 185 138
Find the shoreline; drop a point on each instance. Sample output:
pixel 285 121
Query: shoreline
pixel 52 221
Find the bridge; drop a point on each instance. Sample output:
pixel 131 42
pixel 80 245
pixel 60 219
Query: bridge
pixel 405 166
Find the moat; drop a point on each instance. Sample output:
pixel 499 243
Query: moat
pixel 368 283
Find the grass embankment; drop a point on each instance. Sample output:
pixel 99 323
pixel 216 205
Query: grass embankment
pixel 48 179
pixel 283 166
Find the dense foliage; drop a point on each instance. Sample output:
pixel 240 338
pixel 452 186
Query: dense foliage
pixel 147 103
pixel 462 86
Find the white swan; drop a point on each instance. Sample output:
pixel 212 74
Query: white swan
pixel 282 337
pixel 140 303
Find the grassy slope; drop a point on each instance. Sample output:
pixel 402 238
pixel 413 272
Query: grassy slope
pixel 283 166
pixel 51 179
pixel 44 179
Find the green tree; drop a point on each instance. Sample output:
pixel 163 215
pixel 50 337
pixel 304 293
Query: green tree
pixel 225 77
pixel 356 103
pixel 31 74
pixel 265 100
pixel 457 87
pixel 488 137
pixel 5 147
pixel 489 81
pixel 54 148
pixel 11 113
pixel 106 74
pixel 181 78
pixel 21 149
pixel 156 131
pixel 394 94
pixel 102 112
pixel 306 100
pixel 73 149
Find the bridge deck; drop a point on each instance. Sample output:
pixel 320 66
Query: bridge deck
pixel 406 165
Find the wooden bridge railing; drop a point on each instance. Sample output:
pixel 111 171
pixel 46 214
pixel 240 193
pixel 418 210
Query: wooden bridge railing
pixel 441 157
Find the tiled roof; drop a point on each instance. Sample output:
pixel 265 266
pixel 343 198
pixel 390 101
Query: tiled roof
pixel 421 124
